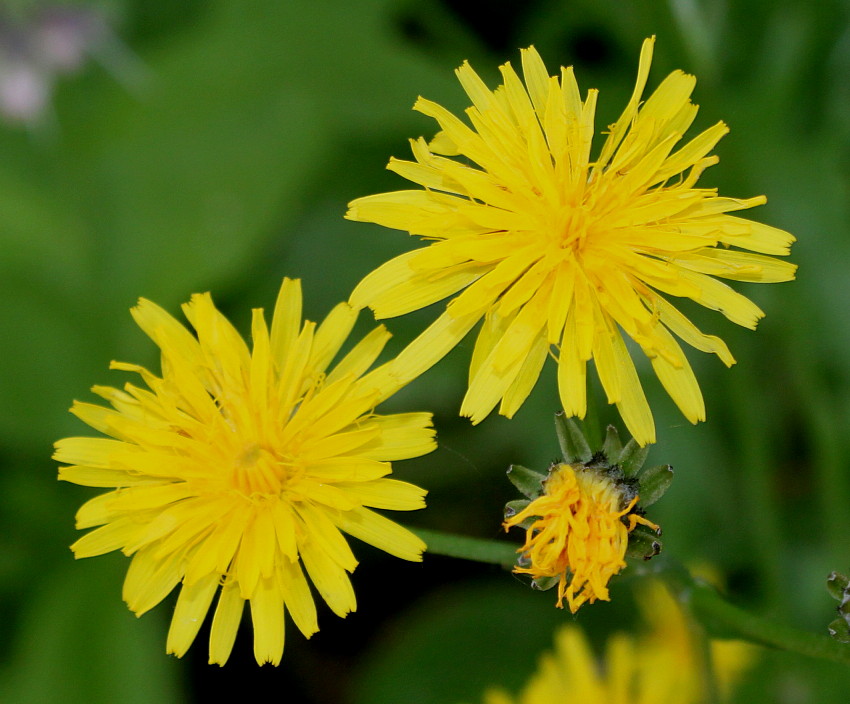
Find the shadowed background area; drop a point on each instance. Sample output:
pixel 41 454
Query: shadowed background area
pixel 151 148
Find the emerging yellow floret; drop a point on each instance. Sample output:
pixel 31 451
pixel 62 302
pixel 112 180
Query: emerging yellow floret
pixel 239 469
pixel 556 248
pixel 661 665
pixel 579 532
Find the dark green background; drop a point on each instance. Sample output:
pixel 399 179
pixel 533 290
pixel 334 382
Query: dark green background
pixel 225 161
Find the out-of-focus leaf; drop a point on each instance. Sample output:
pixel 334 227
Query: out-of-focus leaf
pixel 459 643
pixel 78 643
pixel 186 179
pixel 41 238
pixel 46 348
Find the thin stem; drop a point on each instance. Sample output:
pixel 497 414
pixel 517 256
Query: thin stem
pixel 720 618
pixel 724 620
pixel 466 548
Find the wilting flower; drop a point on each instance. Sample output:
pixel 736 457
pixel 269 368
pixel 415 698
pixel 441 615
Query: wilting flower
pixel 578 531
pixel 554 247
pixel 662 665
pixel 238 469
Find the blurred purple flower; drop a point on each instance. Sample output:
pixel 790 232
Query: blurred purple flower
pixel 37 48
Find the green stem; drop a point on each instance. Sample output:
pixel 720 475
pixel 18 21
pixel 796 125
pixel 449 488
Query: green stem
pixel 720 618
pixel 465 548
pixel 724 620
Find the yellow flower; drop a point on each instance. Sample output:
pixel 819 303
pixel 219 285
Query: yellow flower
pixel 240 467
pixel 660 667
pixel 553 248
pixel 579 532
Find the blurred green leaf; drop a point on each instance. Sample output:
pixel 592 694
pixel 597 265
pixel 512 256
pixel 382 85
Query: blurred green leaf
pixel 78 643
pixel 46 345
pixel 184 181
pixel 458 643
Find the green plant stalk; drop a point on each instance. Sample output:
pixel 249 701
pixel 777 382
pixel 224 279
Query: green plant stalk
pixel 720 618
pixel 465 548
pixel 725 620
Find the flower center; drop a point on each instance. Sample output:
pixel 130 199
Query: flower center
pixel 257 470
pixel 575 228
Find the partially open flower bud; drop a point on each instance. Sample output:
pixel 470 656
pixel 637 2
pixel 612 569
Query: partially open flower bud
pixel 581 518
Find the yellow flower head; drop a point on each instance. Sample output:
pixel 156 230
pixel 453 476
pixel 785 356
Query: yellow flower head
pixel 578 532
pixel 555 248
pixel 238 468
pixel 662 665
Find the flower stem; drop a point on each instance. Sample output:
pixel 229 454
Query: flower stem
pixel 724 620
pixel 476 549
pixel 720 618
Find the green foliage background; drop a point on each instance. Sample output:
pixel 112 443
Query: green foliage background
pixel 226 162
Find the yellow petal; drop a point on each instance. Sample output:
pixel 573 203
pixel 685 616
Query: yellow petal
pixel 679 381
pixel 97 476
pixel 633 406
pixel 400 437
pixel 192 606
pixel 536 78
pixel 387 494
pixel 688 332
pixel 286 320
pixel 267 617
pixel 324 535
pixel 330 579
pixel 425 351
pixel 347 469
pixel 754 236
pixel 361 357
pixel 332 334
pixel 381 532
pixel 225 624
pixel 740 266
pixel 299 600
pixel 572 374
pixel 618 130
pixel 492 330
pixel 113 536
pixel 526 378
pixel 149 581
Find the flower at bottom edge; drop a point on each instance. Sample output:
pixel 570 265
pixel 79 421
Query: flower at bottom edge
pixel 660 664
pixel 578 532
pixel 238 470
